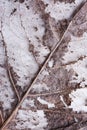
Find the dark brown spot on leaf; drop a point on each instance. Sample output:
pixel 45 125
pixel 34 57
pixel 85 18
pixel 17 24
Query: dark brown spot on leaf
pixel 21 1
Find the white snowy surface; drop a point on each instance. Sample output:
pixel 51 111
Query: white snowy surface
pixel 27 103
pixel 7 96
pixel 77 57
pixel 30 23
pixel 17 44
pixel 19 32
pixel 50 63
pixel 40 87
pixel 20 58
pixel 76 48
pixel 42 101
pixel 79 100
pixel 81 71
pixel 31 120
pixel 60 10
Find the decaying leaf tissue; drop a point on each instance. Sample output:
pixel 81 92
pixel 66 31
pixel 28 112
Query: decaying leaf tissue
pixel 43 65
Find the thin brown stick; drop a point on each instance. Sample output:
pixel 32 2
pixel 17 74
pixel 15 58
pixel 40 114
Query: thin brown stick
pixel 44 94
pixel 12 82
pixel 2 120
pixel 51 93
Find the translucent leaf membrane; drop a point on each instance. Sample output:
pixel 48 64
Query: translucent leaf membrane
pixel 55 95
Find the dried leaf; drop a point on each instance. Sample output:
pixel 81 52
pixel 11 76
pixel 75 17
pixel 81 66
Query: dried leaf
pixel 52 101
pixel 28 34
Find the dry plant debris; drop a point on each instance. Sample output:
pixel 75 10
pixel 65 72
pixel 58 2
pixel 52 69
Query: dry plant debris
pixel 43 64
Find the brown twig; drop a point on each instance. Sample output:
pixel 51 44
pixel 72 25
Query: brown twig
pixel 2 120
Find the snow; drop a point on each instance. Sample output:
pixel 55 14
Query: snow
pixel 29 23
pixel 42 101
pixel 20 58
pixel 60 10
pixel 27 103
pixel 50 63
pixel 34 20
pixel 31 120
pixel 40 87
pixel 76 49
pixel 81 71
pixel 19 32
pixel 7 96
pixel 17 50
pixel 79 100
